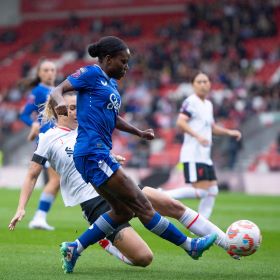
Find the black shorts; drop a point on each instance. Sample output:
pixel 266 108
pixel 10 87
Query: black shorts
pixel 95 207
pixel 195 172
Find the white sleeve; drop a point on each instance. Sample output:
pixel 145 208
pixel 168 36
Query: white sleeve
pixel 42 150
pixel 212 114
pixel 188 108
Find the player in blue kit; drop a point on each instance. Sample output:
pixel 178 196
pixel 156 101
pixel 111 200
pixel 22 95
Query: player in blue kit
pixel 98 105
pixel 42 85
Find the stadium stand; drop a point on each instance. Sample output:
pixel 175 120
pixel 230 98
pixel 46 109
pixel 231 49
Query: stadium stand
pixel 236 42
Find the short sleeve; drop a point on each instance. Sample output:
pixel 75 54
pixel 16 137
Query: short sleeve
pixel 83 78
pixel 212 114
pixel 38 98
pixel 42 150
pixel 187 108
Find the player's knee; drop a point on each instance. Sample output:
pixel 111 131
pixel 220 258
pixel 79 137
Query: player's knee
pixel 213 191
pixel 201 193
pixel 143 259
pixel 142 206
pixel 175 207
pixel 145 212
pixel 124 215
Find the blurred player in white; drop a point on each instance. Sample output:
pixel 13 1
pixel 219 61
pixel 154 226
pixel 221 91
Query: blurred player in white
pixel 196 120
pixel 56 146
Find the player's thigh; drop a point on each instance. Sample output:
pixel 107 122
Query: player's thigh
pixel 125 190
pixel 133 247
pixel 119 211
pixel 205 184
pixel 53 176
pixel 53 182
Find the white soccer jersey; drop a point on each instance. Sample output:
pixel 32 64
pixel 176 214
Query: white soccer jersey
pixel 201 119
pixel 57 146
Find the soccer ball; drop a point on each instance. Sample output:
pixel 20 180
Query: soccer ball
pixel 244 238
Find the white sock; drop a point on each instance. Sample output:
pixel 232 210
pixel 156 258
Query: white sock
pixel 40 215
pixel 80 247
pixel 207 203
pixel 187 244
pixel 187 192
pixel 111 249
pixel 201 226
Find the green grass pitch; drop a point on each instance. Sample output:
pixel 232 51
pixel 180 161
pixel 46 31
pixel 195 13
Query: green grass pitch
pixel 30 254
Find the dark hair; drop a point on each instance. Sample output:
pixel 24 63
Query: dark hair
pixel 109 45
pixel 195 73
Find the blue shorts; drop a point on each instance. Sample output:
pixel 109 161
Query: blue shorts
pixel 96 168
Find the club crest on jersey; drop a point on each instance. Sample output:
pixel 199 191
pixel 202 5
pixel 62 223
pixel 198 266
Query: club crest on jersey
pixel 114 103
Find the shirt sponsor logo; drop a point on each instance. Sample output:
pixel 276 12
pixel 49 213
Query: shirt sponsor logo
pixel 69 151
pixel 114 103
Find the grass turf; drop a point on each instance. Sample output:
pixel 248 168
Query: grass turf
pixel 31 254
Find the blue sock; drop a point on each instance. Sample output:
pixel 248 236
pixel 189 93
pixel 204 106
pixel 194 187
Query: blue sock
pixel 46 201
pixel 102 227
pixel 166 230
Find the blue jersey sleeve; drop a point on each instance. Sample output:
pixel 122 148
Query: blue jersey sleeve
pixel 83 78
pixel 40 97
pixel 29 108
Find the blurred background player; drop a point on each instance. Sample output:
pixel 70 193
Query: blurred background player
pixel 196 120
pixel 30 115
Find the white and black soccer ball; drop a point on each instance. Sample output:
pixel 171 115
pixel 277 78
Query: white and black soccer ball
pixel 243 237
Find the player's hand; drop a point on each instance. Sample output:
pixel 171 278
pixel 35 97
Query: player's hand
pixel 235 133
pixel 148 134
pixel 203 141
pixel 61 110
pixel 17 218
pixel 34 131
pixel 120 159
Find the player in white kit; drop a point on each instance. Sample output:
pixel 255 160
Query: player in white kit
pixel 196 120
pixel 56 146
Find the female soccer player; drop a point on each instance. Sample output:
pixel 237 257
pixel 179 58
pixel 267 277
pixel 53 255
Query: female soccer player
pixel 56 146
pixel 43 83
pixel 98 115
pixel 196 120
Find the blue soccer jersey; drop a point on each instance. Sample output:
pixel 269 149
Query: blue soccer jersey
pixel 98 105
pixel 36 99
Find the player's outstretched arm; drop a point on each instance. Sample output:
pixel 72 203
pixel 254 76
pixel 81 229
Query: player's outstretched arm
pixel 123 125
pixel 182 123
pixel 26 191
pixel 219 130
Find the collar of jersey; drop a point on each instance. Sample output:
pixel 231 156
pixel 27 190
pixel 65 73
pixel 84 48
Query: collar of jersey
pixel 64 128
pixel 45 86
pixel 104 74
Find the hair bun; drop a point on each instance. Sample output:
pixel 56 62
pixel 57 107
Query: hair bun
pixel 93 50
